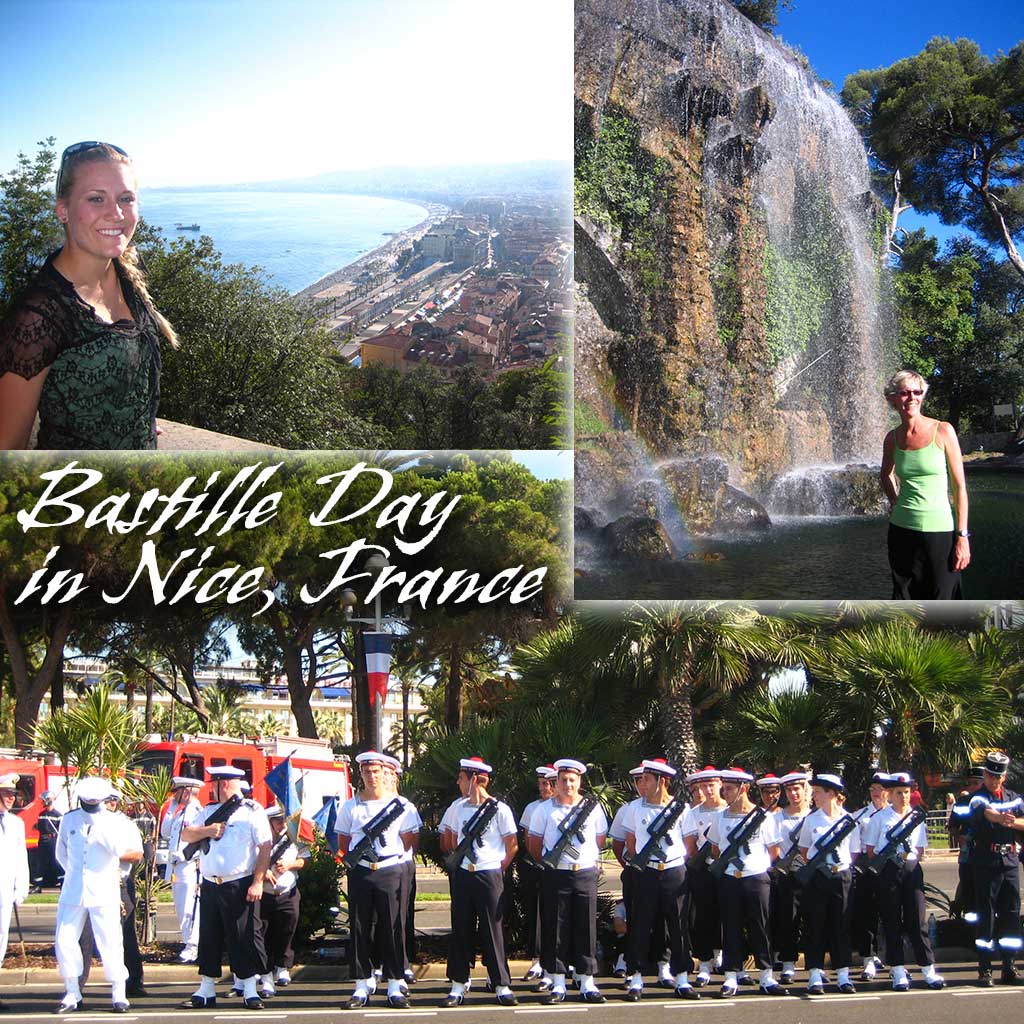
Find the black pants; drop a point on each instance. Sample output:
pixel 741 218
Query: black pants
pixel 659 901
pixel 997 902
pixel 569 913
pixel 922 565
pixel 864 914
pixel 706 924
pixel 744 906
pixel 132 956
pixel 410 911
pixel 45 870
pixel 826 906
pixel 901 897
pixel 280 914
pixel 478 909
pixel 785 916
pixel 529 894
pixel 228 919
pixel 965 900
pixel 377 902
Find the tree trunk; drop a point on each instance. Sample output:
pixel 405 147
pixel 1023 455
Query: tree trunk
pixel 675 710
pixel 57 691
pixel 298 691
pixel 453 693
pixel 149 705
pixel 405 726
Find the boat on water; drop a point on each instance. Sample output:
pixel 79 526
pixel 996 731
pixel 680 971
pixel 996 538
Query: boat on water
pixel 186 227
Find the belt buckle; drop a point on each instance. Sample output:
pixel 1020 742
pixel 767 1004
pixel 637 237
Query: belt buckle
pixel 836 869
pixel 661 866
pixel 375 865
pixel 738 873
pixel 471 867
pixel 575 867
pixel 217 879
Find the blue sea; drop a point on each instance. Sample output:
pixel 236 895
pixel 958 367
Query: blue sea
pixel 296 237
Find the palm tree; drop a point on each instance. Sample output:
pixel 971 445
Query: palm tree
pixel 227 717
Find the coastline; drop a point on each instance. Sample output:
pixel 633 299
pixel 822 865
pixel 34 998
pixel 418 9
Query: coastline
pixel 385 253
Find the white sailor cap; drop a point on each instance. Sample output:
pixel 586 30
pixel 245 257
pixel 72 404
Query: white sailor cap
pixel 898 779
pixel 737 775
pixel 659 766
pixel 371 757
pixel 546 771
pixel 637 771
pixel 246 786
pixel 225 771
pixel 707 772
pixel 769 779
pixel 475 764
pixel 186 780
pixel 277 811
pixel 570 764
pixel 9 781
pixel 392 762
pixel 791 777
pixel 829 781
pixel 93 789
pixel 880 778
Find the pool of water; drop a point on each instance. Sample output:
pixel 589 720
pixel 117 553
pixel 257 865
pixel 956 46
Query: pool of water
pixel 815 559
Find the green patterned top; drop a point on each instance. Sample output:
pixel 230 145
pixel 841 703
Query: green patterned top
pixel 923 501
pixel 103 386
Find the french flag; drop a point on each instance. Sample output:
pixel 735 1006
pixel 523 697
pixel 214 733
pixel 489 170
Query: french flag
pixel 378 664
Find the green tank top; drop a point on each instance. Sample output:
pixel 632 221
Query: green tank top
pixel 923 502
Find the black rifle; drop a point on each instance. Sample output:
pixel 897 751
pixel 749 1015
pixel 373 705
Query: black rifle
pixel 825 845
pixel 739 839
pixel 219 816
pixel 658 829
pixel 278 848
pixel 894 839
pixel 571 825
pixel 372 831
pixel 785 863
pixel 472 835
pixel 703 855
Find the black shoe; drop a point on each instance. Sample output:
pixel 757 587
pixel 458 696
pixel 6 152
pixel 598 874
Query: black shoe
pixel 63 1008
pixel 985 979
pixel 593 996
pixel 398 1002
pixel 772 990
pixel 119 1008
pixel 847 988
pixel 198 1003
pixel 451 1000
pixel 237 992
pixel 687 992
pixel 410 977
pixel 355 1003
pixel 633 994
pixel 508 999
pixel 666 983
pixel 744 979
pixel 699 982
pixel 556 995
pixel 254 1003
pixel 815 990
pixel 136 990
pixel 727 992
pixel 1009 976
pixel 4 1008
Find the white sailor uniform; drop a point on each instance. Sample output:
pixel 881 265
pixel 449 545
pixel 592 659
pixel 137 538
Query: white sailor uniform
pixel 183 875
pixel 14 880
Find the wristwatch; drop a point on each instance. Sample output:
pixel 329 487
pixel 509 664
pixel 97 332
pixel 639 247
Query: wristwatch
pixel 963 533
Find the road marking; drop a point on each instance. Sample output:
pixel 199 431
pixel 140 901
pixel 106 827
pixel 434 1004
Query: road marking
pixel 553 1009
pixel 986 992
pixel 247 1016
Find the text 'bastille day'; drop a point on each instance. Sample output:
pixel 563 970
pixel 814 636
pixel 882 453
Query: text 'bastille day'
pixel 411 521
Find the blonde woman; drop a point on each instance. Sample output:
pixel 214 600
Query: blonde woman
pixel 921 467
pixel 81 346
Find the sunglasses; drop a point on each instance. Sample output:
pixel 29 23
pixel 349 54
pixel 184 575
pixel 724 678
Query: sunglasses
pixel 81 147
pixel 916 392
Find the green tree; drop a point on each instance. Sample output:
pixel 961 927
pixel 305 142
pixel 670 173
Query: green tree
pixel 763 13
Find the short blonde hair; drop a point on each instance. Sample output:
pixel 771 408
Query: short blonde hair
pixel 896 384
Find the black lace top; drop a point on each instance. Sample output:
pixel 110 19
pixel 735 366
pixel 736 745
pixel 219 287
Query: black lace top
pixel 104 381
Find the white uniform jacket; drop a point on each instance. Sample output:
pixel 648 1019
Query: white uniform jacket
pixel 90 848
pixel 14 858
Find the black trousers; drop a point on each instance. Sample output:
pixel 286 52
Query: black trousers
pixel 569 913
pixel 901 897
pixel 660 902
pixel 529 894
pixel 864 915
pixel 410 911
pixel 965 900
pixel 922 565
pixel 478 909
pixel 228 920
pixel 706 923
pixel 785 917
pixel 826 906
pixel 45 870
pixel 997 902
pixel 377 898
pixel 280 914
pixel 744 906
pixel 130 939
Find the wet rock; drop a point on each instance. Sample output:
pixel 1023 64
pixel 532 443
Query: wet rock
pixel 851 490
pixel 605 470
pixel 583 520
pixel 638 537
pixel 739 511
pixel 646 500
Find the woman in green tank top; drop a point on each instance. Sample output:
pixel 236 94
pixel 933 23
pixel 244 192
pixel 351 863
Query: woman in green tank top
pixel 922 470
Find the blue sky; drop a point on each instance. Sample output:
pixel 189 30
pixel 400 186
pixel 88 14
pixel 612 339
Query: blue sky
pixel 841 39
pixel 218 91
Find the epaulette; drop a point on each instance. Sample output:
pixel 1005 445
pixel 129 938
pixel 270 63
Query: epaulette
pixel 252 805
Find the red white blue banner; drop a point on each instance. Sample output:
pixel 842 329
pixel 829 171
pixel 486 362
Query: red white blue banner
pixel 378 663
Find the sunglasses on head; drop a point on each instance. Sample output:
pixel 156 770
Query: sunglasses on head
pixel 81 147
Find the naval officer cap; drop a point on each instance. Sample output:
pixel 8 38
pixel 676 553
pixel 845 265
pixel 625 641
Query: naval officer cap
pixel 93 789
pixel 221 772
pixel 996 763
pixel 708 772
pixel 277 811
pixel 790 777
pixel 829 780
pixel 187 781
pixel 570 764
pixel 475 766
pixel 546 771
pixel 658 766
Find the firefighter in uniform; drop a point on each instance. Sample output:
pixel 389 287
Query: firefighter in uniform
pixel 660 897
pixel 45 872
pixel 478 884
pixel 91 845
pixel 13 854
pixel 960 839
pixel 377 889
pixel 233 870
pixel 901 887
pixel 530 874
pixel 183 811
pixel 995 817
pixel 279 907
pixel 569 893
pixel 786 915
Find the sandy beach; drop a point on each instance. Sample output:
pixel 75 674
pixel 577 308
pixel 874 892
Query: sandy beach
pixel 378 259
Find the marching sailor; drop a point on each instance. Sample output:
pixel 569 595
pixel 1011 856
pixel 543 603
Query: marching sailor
pixel 233 868
pixel 995 817
pixel 393 771
pixel 377 888
pixel 184 810
pixel 91 844
pixel 826 896
pixel 13 853
pixel 279 907
pixel 569 893
pixel 770 788
pixel 864 916
pixel 706 922
pixel 901 887
pixel 744 888
pixel 478 881
pixel 660 897
pixel 786 915
pixel 617 834
pixel 530 874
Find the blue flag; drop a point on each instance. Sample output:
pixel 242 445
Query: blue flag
pixel 286 785
pixel 325 820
